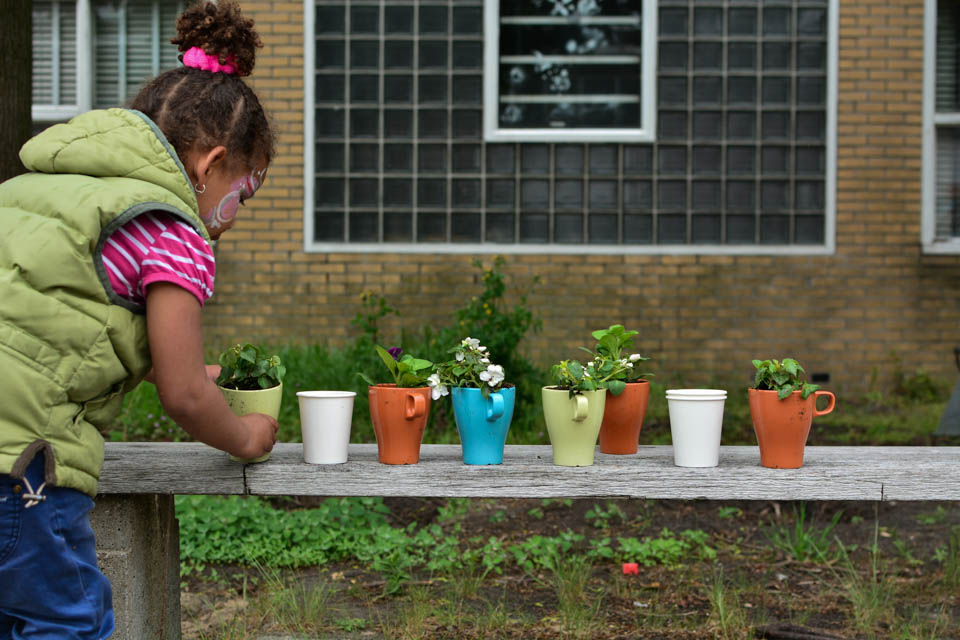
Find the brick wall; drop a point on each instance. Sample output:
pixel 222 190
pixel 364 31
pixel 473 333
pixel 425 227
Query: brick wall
pixel 847 314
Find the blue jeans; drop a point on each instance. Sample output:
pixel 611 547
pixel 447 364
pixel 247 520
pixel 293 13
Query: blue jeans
pixel 50 585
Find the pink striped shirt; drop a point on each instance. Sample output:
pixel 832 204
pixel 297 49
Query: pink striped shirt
pixel 158 247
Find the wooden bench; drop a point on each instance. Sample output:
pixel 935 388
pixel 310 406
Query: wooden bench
pixel 138 539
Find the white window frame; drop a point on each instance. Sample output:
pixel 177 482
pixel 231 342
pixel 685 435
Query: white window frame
pixel 493 132
pixel 84 71
pixel 309 168
pixel 932 120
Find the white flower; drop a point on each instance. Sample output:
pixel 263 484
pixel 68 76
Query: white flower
pixel 629 365
pixel 471 343
pixel 433 380
pixel 481 348
pixel 634 357
pixel 460 356
pixel 439 391
pixel 586 375
pixel 623 362
pixel 485 360
pixel 493 375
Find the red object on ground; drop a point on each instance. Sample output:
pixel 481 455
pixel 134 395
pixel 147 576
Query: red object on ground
pixel 631 568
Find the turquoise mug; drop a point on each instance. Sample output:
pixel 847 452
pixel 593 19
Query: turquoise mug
pixel 483 422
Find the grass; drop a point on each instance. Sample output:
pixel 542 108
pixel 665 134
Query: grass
pixel 291 602
pixel 804 542
pixel 872 595
pixel 728 614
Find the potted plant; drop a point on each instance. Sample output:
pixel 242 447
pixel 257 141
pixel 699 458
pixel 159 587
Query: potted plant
pixel 628 391
pixel 251 382
pixel 782 407
pixel 399 410
pixel 573 411
pixel 482 402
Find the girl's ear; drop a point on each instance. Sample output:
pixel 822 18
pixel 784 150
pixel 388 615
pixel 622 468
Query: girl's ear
pixel 200 164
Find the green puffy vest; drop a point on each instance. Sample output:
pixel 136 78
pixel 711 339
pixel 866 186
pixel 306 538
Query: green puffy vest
pixel 69 347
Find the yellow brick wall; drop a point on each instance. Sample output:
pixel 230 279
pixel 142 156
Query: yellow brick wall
pixel 844 314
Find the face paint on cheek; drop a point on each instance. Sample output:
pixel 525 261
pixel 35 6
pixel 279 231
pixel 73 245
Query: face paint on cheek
pixel 226 210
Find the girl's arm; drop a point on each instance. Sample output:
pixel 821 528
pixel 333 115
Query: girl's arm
pixel 213 372
pixel 186 391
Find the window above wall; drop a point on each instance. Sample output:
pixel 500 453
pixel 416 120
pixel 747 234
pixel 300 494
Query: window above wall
pixel 941 180
pixel 566 70
pixel 401 136
pixel 97 53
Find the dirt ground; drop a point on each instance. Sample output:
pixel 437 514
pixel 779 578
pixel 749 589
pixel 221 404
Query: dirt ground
pixel 754 589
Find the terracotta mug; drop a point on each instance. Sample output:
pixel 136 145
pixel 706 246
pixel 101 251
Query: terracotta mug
pixel 399 416
pixel 782 426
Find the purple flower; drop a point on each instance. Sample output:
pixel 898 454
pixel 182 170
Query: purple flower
pixel 396 352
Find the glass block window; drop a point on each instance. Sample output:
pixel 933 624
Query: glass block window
pixel 945 175
pixel 122 43
pixel 570 70
pixel 740 158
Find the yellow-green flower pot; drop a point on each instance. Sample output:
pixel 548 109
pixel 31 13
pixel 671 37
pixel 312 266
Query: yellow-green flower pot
pixel 259 401
pixel 573 424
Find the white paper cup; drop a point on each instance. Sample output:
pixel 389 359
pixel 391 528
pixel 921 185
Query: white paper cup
pixel 325 420
pixel 695 426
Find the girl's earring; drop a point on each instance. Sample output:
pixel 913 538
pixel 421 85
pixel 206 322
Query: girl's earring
pixel 199 189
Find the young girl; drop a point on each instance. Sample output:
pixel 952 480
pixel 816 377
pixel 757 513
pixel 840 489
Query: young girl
pixel 105 264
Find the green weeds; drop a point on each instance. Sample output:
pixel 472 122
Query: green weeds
pixel 291 602
pixel 727 612
pixel 949 558
pixel 666 549
pixel 805 542
pixel 872 596
pixel 604 518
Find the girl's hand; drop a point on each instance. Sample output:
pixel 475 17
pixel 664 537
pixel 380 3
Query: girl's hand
pixel 213 371
pixel 261 435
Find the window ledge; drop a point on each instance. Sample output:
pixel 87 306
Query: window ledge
pixel 571 249
pixel 942 247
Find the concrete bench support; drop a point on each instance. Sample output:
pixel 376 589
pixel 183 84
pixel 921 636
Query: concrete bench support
pixel 138 541
pixel 138 547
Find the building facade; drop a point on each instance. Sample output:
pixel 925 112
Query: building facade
pixel 732 178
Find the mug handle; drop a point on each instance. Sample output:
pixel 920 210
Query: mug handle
pixel 494 406
pixel 416 406
pixel 580 411
pixel 830 405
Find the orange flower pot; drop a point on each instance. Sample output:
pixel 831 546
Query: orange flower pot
pixel 623 418
pixel 399 416
pixel 782 426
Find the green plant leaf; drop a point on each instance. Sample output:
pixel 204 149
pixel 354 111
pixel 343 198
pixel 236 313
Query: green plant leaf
pixel 387 359
pixel 790 366
pixel 616 387
pixel 808 389
pixel 365 378
pixel 418 364
pixel 575 368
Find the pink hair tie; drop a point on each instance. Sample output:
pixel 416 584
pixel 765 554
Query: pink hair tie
pixel 197 58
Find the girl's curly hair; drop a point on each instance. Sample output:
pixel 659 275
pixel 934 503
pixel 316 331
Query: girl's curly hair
pixel 198 109
pixel 220 30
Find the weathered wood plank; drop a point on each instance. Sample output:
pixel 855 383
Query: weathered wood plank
pixel 829 473
pixel 168 468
